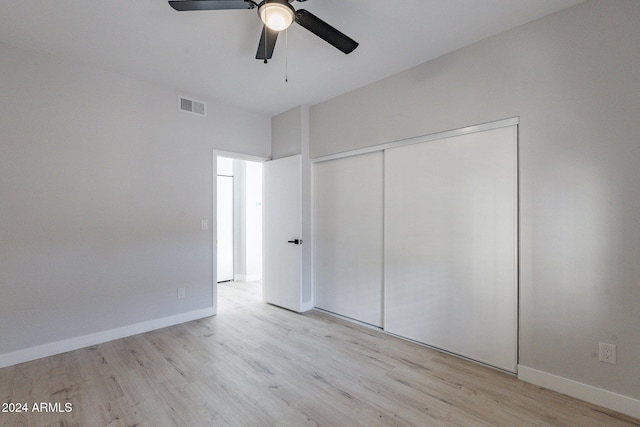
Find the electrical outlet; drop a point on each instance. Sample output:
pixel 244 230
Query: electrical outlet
pixel 182 292
pixel 608 353
pixel 204 224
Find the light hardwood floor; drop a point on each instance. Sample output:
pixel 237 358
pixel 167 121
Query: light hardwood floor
pixel 257 365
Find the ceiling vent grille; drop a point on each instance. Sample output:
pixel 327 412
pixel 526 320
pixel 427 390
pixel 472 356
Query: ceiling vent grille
pixel 192 106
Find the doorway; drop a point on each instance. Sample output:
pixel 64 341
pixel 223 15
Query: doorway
pixel 239 221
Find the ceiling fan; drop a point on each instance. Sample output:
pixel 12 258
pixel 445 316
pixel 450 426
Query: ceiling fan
pixel 276 15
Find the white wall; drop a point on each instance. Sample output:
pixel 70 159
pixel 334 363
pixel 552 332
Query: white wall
pixel 573 79
pixel 103 184
pixel 253 221
pixel 247 219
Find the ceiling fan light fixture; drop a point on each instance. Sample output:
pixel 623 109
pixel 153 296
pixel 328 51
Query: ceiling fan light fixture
pixel 277 15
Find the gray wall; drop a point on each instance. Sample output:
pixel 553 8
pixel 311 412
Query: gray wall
pixel 102 185
pixel 287 133
pixel 573 78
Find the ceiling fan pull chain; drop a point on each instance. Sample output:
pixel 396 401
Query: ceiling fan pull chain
pixel 265 43
pixel 286 56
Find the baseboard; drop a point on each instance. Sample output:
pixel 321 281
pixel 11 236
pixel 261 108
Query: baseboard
pixel 591 394
pixel 247 278
pixel 50 349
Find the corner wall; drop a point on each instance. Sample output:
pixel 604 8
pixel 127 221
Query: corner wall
pixel 289 137
pixel 572 78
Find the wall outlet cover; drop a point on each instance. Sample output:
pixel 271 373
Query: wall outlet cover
pixel 607 353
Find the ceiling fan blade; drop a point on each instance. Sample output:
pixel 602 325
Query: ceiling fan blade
pixel 186 5
pixel 265 47
pixel 325 31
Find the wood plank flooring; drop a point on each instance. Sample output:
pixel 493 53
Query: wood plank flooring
pixel 257 365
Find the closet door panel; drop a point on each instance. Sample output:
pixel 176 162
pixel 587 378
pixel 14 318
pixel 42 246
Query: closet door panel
pixel 348 243
pixel 450 245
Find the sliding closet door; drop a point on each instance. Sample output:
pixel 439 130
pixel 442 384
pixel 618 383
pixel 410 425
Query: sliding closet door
pixel 450 245
pixel 348 240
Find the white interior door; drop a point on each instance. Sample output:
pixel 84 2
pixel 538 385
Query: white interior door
pixel 451 245
pixel 225 228
pixel 282 270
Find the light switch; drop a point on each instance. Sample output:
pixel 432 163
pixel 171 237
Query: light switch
pixel 204 224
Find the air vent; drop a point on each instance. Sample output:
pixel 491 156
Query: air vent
pixel 192 106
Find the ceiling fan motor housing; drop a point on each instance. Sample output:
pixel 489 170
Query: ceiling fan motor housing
pixel 276 14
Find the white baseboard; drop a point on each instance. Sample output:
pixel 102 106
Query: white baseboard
pixel 591 394
pixel 50 349
pixel 306 306
pixel 247 278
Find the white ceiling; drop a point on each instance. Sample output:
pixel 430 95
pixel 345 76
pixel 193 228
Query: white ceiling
pixel 210 54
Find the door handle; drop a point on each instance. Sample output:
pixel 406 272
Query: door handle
pixel 295 241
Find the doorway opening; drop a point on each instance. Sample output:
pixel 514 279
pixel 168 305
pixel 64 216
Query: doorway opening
pixel 239 223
